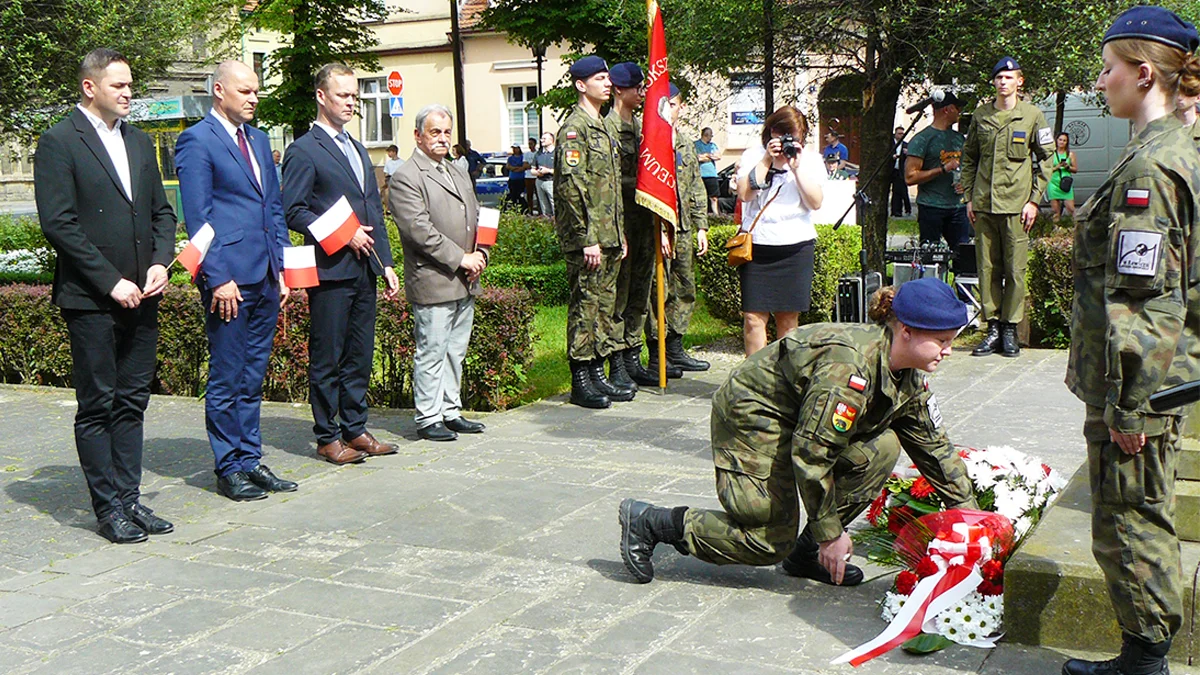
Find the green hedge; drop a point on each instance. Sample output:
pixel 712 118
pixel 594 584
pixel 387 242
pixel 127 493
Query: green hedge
pixel 546 283
pixel 34 347
pixel 1051 290
pixel 836 255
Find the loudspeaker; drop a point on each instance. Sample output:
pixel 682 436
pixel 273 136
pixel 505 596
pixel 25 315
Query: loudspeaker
pixel 848 306
pixel 964 260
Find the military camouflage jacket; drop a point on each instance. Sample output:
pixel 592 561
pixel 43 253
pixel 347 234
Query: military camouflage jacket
pixel 629 140
pixel 587 184
pixel 693 198
pixel 1136 314
pixel 998 175
pixel 1195 129
pixel 818 390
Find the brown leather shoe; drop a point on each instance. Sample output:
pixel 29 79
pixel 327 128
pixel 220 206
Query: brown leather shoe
pixel 336 453
pixel 371 446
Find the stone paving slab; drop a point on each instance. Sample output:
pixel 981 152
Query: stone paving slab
pixel 494 554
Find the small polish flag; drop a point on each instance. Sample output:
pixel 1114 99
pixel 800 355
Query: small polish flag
pixel 300 267
pixel 489 225
pixel 197 247
pixel 1137 197
pixel 336 227
pixel 857 383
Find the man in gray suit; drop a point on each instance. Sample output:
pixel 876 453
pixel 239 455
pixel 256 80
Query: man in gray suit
pixel 436 212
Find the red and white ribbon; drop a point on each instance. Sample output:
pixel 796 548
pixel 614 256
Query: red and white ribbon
pixel 958 556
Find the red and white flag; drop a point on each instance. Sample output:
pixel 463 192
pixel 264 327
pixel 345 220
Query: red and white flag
pixel 488 227
pixel 656 156
pixel 197 247
pixel 300 267
pixel 336 227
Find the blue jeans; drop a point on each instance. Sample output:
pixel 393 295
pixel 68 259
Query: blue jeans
pixel 936 223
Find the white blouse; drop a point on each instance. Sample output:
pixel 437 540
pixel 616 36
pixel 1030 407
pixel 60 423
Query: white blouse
pixel 787 220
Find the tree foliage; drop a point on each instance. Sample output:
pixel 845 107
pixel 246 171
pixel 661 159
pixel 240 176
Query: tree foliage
pixel 42 43
pixel 315 33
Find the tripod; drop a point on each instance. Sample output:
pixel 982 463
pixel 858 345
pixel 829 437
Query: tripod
pixel 862 201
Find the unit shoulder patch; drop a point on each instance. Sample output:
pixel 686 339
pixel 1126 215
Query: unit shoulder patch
pixel 843 416
pixel 1138 252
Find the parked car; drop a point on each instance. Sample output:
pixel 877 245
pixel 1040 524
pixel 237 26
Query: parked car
pixel 492 185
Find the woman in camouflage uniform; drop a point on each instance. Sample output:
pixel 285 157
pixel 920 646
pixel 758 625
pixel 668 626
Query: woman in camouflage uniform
pixel 1134 331
pixel 820 416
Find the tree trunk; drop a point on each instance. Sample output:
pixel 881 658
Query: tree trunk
pixel 1060 107
pixel 456 45
pixel 768 56
pixel 879 116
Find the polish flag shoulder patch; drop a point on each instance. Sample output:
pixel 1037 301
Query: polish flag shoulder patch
pixel 571 135
pixel 1137 198
pixel 857 383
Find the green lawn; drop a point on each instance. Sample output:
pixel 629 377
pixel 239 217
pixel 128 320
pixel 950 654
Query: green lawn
pixel 549 375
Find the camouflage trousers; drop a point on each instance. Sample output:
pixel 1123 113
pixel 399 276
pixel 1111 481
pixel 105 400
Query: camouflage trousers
pixel 590 305
pixel 681 289
pixel 762 513
pixel 1133 525
pixel 633 301
pixel 1001 255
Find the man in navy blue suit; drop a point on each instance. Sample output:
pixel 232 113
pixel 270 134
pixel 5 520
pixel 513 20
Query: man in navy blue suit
pixel 320 168
pixel 227 180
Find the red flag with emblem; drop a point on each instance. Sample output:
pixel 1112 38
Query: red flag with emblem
pixel 656 156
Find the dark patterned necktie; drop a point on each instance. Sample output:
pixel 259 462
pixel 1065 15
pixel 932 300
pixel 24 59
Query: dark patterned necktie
pixel 241 138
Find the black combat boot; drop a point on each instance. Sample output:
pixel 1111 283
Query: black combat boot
pixel 582 391
pixel 633 366
pixel 1137 658
pixel 678 357
pixel 673 372
pixel 644 526
pixel 617 375
pixel 804 561
pixel 1008 340
pixel 600 382
pixel 991 342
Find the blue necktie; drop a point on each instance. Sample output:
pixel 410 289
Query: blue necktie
pixel 352 157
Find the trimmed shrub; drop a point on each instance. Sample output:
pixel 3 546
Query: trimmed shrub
pixel 35 349
pixel 547 284
pixel 835 255
pixel 525 240
pixel 1051 290
pixel 25 234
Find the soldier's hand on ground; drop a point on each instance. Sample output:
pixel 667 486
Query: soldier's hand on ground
pixel 834 554
pixel 362 242
pixel 970 213
pixel 393 283
pixel 156 281
pixel 1028 215
pixel 702 242
pixel 225 301
pixel 591 256
pixel 127 294
pixel 1130 444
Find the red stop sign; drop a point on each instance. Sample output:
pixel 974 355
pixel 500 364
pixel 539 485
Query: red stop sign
pixel 395 83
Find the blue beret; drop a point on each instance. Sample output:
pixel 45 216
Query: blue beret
pixel 625 75
pixel 1006 63
pixel 587 67
pixel 929 304
pixel 674 91
pixel 1157 24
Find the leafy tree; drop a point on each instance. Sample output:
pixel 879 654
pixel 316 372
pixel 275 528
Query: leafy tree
pixel 43 41
pixel 320 32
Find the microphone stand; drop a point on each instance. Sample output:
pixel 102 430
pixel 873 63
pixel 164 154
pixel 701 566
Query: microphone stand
pixel 862 200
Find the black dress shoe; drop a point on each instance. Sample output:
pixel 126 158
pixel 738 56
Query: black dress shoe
pixel 237 486
pixel 463 425
pixel 263 478
pixel 437 432
pixel 144 518
pixel 119 529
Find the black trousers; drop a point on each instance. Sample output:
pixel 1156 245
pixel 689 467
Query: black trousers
pixel 341 351
pixel 900 193
pixel 113 357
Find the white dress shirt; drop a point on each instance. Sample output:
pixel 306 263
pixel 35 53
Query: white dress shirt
pixel 232 129
pixel 114 143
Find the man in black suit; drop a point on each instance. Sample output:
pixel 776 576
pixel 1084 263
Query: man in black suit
pixel 101 204
pixel 319 169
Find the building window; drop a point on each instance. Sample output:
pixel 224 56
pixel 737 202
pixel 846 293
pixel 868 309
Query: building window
pixel 373 108
pixel 258 66
pixel 522 121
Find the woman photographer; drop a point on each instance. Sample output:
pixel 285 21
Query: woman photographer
pixel 780 184
pixel 1063 164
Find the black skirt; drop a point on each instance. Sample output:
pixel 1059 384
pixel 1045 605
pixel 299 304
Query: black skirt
pixel 778 278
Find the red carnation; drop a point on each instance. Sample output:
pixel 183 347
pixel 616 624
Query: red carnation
pixel 993 571
pixel 926 567
pixel 906 581
pixel 988 588
pixel 876 509
pixel 921 488
pixel 898 518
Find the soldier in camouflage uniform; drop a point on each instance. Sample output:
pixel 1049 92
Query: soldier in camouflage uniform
pixel 1002 190
pixel 587 204
pixel 1135 330
pixel 822 413
pixel 637 269
pixel 681 267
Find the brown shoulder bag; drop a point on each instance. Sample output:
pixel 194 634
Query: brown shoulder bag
pixel 740 247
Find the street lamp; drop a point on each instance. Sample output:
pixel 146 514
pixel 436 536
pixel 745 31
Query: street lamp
pixel 539 55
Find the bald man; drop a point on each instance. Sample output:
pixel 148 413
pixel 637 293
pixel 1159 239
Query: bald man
pixel 227 181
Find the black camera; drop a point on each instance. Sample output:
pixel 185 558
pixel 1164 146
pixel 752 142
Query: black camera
pixel 790 147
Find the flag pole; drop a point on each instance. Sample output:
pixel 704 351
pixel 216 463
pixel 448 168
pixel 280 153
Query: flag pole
pixel 660 303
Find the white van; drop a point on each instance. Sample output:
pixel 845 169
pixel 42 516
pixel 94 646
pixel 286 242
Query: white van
pixel 1097 138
